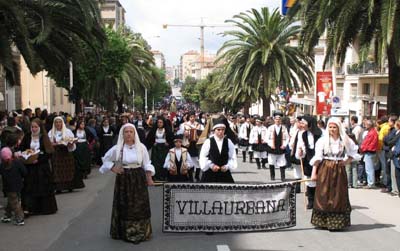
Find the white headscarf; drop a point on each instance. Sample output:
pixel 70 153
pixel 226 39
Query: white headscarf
pixel 120 143
pixel 54 130
pixel 342 133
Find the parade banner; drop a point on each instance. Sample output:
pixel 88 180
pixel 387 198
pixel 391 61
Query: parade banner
pixel 324 93
pixel 191 207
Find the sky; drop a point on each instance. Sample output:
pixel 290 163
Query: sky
pixel 148 16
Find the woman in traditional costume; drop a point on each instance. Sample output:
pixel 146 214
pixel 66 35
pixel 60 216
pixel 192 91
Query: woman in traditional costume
pixel 63 162
pixel 38 193
pixel 82 152
pixel 333 151
pixel 129 160
pixel 106 136
pixel 159 140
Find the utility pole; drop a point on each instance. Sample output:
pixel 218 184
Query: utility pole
pixel 201 26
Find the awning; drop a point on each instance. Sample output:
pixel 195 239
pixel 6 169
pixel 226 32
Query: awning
pixel 302 101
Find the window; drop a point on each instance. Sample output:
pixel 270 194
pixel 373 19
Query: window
pixel 339 89
pixel 366 90
pixel 354 89
pixel 383 89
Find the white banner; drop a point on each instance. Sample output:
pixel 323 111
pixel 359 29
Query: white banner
pixel 190 207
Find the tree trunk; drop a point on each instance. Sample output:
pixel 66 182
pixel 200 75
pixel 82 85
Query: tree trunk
pixel 120 102
pixel 246 108
pixel 78 107
pixel 266 95
pixel 266 106
pixel 393 98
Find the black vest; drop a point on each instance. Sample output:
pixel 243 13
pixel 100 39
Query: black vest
pixel 278 143
pixel 219 159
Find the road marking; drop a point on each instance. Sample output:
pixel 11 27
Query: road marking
pixel 223 248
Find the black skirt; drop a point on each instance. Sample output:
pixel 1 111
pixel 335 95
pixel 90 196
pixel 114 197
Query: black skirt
pixel 38 193
pixel 130 219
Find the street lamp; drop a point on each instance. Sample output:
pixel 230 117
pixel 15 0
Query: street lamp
pixel 145 100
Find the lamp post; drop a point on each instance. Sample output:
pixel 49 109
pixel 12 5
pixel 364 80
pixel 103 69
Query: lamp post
pixel 145 100
pixel 71 84
pixel 133 100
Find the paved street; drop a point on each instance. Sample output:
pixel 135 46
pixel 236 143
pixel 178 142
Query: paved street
pixel 82 223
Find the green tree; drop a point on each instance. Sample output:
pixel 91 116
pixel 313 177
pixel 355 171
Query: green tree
pixel 189 91
pixel 127 66
pixel 46 32
pixel 259 57
pixel 370 24
pixel 159 88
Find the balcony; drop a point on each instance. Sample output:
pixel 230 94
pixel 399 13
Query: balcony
pixel 365 68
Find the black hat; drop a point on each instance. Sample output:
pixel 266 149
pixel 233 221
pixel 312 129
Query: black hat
pixel 218 122
pixel 277 113
pixel 307 119
pixel 178 137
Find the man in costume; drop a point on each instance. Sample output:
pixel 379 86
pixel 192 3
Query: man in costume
pixel 178 162
pixel 244 135
pixel 277 140
pixel 258 141
pixel 218 156
pixel 191 132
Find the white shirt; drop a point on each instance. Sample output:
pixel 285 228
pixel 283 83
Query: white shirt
pixel 35 144
pixel 178 154
pixel 335 148
pixel 160 136
pixel 58 138
pixel 205 163
pixel 301 145
pixel 130 156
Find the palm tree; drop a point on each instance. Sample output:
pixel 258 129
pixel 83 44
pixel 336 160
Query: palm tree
pixel 371 24
pixel 259 57
pixel 46 32
pixel 128 66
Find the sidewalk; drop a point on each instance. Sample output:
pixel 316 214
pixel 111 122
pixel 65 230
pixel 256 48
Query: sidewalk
pixel 381 207
pixel 41 231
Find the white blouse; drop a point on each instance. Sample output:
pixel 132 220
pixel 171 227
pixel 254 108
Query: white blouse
pixel 130 156
pixel 335 147
pixel 35 144
pixel 58 137
pixel 160 136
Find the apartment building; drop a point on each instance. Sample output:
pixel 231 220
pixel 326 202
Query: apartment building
pixel 112 13
pixel 159 59
pixel 361 87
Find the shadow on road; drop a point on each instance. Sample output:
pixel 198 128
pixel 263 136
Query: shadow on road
pixel 366 227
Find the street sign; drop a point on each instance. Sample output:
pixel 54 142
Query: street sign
pixel 336 102
pixel 340 112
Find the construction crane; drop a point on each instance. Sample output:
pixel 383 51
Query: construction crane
pixel 201 26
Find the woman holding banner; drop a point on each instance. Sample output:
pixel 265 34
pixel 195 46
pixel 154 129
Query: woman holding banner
pixel 332 153
pixel 129 160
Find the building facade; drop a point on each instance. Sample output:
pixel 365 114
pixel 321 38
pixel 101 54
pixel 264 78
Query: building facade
pixel 159 59
pixel 112 13
pixel 360 86
pixel 187 61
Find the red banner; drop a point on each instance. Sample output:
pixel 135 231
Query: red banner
pixel 324 93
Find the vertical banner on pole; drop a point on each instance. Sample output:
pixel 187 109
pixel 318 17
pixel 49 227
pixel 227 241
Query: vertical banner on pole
pixel 324 93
